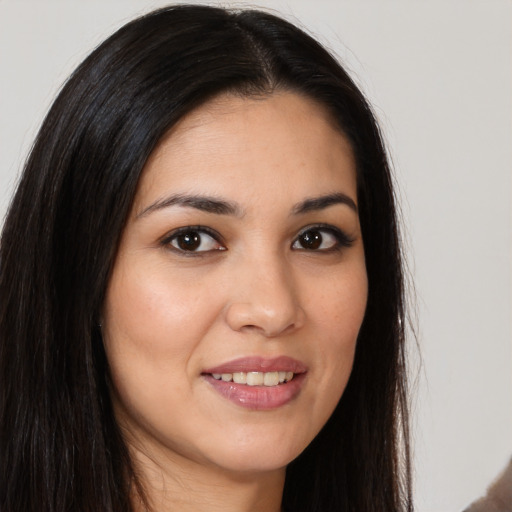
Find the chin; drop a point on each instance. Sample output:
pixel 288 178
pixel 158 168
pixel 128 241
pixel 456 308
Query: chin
pixel 247 464
pixel 262 455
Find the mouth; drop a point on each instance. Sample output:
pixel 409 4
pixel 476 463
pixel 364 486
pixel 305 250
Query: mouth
pixel 258 383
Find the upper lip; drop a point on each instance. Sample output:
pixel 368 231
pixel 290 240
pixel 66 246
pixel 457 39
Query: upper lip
pixel 259 364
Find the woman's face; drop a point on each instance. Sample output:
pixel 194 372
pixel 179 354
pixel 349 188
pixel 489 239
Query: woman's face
pixel 239 288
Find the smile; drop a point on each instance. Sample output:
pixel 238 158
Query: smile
pixel 258 383
pixel 255 378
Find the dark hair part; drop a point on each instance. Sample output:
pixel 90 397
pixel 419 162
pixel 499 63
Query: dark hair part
pixel 61 448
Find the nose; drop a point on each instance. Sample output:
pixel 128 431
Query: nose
pixel 265 300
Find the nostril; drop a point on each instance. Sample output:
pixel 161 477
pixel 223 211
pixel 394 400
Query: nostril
pixel 269 312
pixel 268 333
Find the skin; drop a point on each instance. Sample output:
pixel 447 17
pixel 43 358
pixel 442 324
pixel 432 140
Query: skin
pixel 255 290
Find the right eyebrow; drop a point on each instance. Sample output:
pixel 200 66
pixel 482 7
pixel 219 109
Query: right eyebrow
pixel 203 203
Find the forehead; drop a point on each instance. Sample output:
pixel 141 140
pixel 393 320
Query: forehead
pixel 283 141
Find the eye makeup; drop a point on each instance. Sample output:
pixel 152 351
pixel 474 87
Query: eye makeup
pixel 196 240
pixel 322 238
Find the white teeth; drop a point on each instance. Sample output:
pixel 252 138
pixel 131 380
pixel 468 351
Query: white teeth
pixel 255 378
pixel 240 378
pixel 271 379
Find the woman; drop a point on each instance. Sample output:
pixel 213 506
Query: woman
pixel 201 284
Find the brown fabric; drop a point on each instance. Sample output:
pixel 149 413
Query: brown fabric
pixel 498 497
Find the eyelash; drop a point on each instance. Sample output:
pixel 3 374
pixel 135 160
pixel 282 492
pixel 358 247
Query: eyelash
pixel 200 230
pixel 342 240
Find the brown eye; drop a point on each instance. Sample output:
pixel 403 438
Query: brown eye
pixel 311 240
pixel 319 238
pixel 188 241
pixel 193 240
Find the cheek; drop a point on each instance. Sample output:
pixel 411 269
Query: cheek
pixel 337 312
pixel 338 307
pixel 156 313
pixel 153 324
pixel 154 320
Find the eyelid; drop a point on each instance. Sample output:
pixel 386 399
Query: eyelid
pixel 343 239
pixel 166 240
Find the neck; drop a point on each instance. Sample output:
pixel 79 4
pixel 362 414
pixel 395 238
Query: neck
pixel 174 482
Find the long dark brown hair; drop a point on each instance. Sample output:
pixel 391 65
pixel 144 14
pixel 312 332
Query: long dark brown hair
pixel 60 445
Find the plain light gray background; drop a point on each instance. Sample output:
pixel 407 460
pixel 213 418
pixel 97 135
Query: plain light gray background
pixel 439 74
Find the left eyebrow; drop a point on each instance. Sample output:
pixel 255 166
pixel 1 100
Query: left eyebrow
pixel 322 202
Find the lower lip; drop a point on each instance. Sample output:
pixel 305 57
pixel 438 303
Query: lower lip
pixel 260 398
